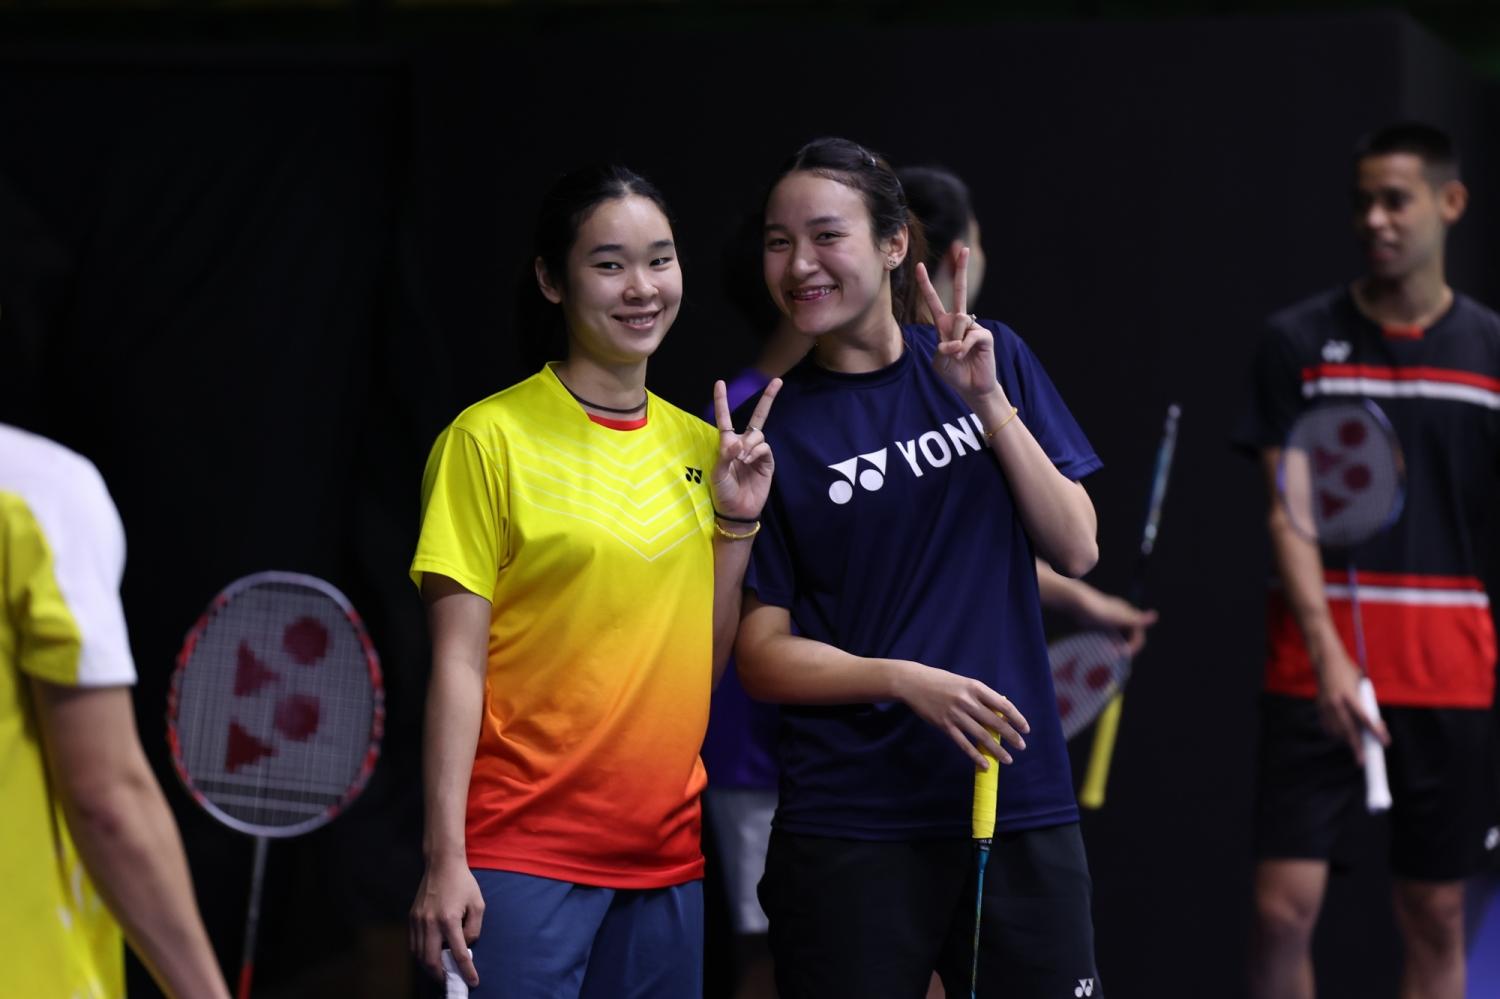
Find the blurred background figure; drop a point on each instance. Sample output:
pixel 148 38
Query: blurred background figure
pixel 1430 358
pixel 87 845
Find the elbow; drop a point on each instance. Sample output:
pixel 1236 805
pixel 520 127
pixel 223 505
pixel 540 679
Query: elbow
pixel 1077 559
pixel 748 665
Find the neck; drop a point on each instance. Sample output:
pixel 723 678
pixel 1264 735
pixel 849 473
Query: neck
pixel 782 352
pixel 853 350
pixel 620 387
pixel 1417 299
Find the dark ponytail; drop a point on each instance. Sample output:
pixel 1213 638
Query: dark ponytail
pixel 564 208
pixel 853 165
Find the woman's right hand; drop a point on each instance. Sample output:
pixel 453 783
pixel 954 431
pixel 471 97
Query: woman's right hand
pixel 963 708
pixel 447 913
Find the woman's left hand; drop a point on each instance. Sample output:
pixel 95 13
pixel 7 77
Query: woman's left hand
pixel 741 479
pixel 965 356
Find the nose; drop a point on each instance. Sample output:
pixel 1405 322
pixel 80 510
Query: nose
pixel 641 285
pixel 1375 216
pixel 803 261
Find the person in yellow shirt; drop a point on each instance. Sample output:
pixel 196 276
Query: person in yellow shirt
pixel 87 837
pixel 581 552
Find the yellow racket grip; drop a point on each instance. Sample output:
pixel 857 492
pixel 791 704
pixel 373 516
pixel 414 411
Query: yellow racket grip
pixel 986 783
pixel 1091 795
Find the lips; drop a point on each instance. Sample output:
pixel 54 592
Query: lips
pixel 637 320
pixel 814 294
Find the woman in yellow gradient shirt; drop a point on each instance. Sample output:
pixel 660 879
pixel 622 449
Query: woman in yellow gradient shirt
pixel 581 553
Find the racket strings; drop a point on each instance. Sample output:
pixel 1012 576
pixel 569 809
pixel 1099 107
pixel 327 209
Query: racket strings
pixel 1342 475
pixel 278 707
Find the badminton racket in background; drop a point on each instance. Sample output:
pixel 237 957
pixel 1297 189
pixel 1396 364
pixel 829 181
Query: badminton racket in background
pixel 1089 669
pixel 986 787
pixel 1342 481
pixel 275 715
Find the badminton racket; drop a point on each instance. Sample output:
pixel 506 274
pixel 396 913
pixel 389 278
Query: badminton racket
pixel 275 715
pixel 986 786
pixel 1341 480
pixel 1089 669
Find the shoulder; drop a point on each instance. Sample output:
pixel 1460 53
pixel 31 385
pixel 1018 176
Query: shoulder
pixel 61 487
pixel 506 407
pixel 1478 317
pixel 1312 317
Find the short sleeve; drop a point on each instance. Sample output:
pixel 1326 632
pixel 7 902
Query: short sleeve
pixel 1038 403
pixel 66 552
pixel 771 574
pixel 1275 395
pixel 464 522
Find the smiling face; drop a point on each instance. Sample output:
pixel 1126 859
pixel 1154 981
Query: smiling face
pixel 824 267
pixel 623 284
pixel 1402 214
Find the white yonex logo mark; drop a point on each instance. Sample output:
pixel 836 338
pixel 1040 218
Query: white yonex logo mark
pixel 1492 837
pixel 933 449
pixel 1085 988
pixel 1336 351
pixel 870 479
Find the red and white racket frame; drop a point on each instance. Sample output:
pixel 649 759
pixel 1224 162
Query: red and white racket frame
pixel 377 713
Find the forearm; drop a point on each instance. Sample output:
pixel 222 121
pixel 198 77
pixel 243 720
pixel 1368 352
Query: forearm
pixel 730 560
pixel 1058 592
pixel 450 736
pixel 1056 511
pixel 129 843
pixel 1299 566
pixel 791 669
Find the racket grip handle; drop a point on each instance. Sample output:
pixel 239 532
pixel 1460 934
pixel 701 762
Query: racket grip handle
pixel 986 785
pixel 1377 787
pixel 1091 795
pixel 454 986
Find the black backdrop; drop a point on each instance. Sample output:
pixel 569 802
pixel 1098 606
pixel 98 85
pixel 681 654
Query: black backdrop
pixel 251 283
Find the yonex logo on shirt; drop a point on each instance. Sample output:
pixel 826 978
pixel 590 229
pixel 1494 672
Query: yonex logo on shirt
pixel 871 478
pixel 694 474
pixel 933 449
pixel 1085 987
pixel 1336 351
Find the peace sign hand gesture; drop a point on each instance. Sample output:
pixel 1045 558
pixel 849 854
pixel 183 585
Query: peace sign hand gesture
pixel 966 350
pixel 741 479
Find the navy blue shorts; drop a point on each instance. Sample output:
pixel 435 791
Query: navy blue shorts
pixel 546 939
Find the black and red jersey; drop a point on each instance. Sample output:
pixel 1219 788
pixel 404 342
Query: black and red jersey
pixel 1429 637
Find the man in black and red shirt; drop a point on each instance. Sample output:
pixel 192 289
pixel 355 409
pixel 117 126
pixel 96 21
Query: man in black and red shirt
pixel 1430 359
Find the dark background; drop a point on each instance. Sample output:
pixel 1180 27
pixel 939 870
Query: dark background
pixel 252 277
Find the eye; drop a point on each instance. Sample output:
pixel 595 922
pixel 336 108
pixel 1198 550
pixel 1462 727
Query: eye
pixel 777 243
pixel 607 265
pixel 827 237
pixel 662 261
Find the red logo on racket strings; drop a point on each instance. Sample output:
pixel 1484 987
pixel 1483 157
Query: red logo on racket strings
pixel 296 716
pixel 1355 478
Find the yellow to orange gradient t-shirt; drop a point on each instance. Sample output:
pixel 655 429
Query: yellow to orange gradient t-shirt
pixel 595 549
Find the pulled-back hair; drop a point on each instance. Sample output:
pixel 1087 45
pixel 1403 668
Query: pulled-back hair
pixel 563 210
pixel 1434 147
pixel 941 200
pixel 854 166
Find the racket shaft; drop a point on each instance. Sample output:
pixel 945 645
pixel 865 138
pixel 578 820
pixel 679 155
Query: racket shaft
pixel 252 918
pixel 1092 793
pixel 1377 787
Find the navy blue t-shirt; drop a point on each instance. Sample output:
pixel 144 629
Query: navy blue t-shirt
pixel 890 532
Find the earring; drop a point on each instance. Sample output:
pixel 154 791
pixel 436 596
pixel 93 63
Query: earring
pixel 892 263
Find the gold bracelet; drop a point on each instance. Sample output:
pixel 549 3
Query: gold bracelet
pixel 989 434
pixel 737 537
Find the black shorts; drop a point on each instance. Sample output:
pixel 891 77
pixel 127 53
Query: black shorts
pixel 1441 768
pixel 874 920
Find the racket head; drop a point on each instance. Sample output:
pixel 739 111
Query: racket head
pixel 1342 474
pixel 277 705
pixel 1088 669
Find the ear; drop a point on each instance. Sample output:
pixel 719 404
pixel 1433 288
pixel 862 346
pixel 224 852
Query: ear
pixel 550 292
pixel 1453 199
pixel 895 248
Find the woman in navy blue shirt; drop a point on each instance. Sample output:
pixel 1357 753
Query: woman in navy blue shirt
pixel 926 467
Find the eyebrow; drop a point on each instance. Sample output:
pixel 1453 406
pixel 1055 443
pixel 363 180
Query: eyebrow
pixel 660 244
pixel 821 220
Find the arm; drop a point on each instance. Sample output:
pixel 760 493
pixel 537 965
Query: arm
pixel 775 665
pixel 1056 511
pixel 1300 567
pixel 125 834
pixel 1091 607
pixel 449 908
pixel 740 483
